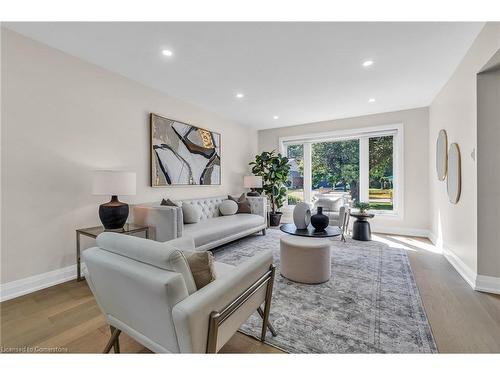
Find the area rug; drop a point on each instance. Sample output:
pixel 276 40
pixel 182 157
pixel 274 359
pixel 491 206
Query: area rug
pixel 370 305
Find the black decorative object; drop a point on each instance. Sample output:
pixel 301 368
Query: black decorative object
pixel 274 219
pixel 361 230
pixel 113 214
pixel 319 221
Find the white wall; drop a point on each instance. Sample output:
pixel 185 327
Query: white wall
pixel 488 171
pixel 454 226
pixel 416 166
pixel 63 118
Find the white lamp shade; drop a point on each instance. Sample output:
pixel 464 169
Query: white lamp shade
pixel 252 181
pixel 113 183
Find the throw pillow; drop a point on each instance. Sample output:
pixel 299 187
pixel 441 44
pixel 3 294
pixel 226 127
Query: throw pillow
pixel 228 207
pixel 191 213
pixel 201 264
pixel 243 204
pixel 168 202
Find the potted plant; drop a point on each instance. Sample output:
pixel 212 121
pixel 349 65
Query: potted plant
pixel 363 207
pixel 273 168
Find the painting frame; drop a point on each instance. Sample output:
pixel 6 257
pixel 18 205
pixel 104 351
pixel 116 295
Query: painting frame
pixel 160 180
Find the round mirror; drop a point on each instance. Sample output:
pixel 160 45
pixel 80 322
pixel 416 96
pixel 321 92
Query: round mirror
pixel 454 181
pixel 441 155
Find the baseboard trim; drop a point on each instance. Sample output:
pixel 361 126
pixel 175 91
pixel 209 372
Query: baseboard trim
pixel 488 284
pixel 31 284
pixel 481 283
pixel 463 270
pixel 414 232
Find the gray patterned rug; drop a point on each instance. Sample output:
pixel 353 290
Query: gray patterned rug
pixel 370 305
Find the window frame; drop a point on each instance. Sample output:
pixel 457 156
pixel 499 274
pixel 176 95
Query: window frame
pixel 363 134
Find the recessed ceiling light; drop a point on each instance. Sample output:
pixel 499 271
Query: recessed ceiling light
pixel 167 52
pixel 367 63
pixel 240 95
pixel 371 100
pixel 276 117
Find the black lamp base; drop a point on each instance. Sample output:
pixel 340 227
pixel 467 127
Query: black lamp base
pixel 113 214
pixel 253 193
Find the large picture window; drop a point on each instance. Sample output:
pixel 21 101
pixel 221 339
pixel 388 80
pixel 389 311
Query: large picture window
pixel 362 165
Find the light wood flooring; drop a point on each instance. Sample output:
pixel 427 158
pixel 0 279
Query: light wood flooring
pixel 66 316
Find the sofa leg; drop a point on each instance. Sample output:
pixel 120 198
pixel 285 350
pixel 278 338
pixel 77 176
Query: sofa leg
pixel 264 232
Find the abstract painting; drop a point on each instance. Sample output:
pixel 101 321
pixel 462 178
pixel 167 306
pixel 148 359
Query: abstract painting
pixel 183 154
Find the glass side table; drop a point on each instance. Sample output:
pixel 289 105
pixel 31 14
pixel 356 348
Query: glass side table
pixel 93 232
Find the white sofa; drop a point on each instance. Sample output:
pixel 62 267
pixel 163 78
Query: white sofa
pixel 146 289
pixel 211 231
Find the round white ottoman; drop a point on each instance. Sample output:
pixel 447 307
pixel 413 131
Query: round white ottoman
pixel 304 259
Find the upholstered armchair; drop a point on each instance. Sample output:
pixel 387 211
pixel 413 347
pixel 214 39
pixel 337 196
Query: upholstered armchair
pixel 146 289
pixel 336 207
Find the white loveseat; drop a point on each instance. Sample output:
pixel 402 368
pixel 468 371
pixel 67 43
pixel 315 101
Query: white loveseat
pixel 211 231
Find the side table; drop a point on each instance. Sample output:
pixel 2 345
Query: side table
pixel 361 230
pixel 93 232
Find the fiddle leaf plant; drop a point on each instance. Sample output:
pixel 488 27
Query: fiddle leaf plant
pixel 273 168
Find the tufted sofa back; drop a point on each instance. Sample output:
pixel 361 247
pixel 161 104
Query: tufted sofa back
pixel 209 206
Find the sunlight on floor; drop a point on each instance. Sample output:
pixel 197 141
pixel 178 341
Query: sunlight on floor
pixel 407 243
pixel 419 244
pixel 390 243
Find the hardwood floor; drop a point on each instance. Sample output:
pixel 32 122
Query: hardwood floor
pixel 66 316
pixel 462 320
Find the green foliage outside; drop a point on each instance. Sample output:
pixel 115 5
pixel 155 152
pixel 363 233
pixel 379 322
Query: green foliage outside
pixel 336 162
pixel 381 149
pixel 295 196
pixel 273 168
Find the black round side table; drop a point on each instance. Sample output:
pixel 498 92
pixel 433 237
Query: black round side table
pixel 361 230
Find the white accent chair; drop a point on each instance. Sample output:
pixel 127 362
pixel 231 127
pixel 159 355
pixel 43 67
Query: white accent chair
pixel 146 289
pixel 337 208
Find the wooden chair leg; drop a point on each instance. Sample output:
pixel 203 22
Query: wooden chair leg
pixel 113 341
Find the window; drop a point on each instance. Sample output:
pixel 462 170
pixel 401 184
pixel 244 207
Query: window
pixel 363 164
pixel 295 183
pixel 380 194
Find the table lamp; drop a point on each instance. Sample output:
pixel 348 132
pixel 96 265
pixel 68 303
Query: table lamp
pixel 252 182
pixel 113 214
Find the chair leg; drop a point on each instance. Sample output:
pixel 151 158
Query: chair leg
pixel 264 232
pixel 267 306
pixel 113 341
pixel 269 324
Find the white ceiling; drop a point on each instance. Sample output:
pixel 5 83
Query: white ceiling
pixel 302 72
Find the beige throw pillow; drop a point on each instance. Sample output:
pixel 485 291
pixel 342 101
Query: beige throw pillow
pixel 243 204
pixel 201 264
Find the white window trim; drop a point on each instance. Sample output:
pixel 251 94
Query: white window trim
pixel 397 130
